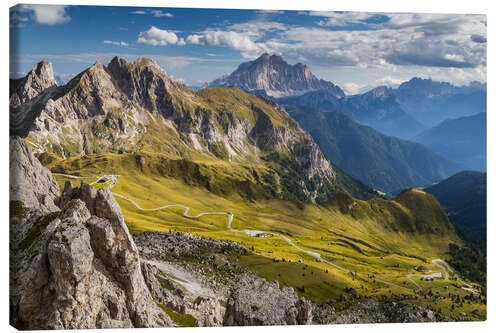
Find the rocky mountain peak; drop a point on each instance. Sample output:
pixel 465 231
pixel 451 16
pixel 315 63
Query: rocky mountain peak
pixel 264 57
pixel 44 72
pixel 274 76
pixel 40 78
pixel 425 87
pixel 382 92
pixel 142 81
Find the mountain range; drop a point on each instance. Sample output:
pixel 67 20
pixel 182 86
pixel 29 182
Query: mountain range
pixel 431 102
pixel 463 196
pixel 404 111
pixel 383 162
pixel 462 140
pixel 132 195
pixel 127 107
pixel 377 108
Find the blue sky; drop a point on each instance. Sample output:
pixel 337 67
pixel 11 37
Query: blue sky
pixel 353 49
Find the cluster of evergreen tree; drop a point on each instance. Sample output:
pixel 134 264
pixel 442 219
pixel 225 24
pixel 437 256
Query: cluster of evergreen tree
pixel 469 262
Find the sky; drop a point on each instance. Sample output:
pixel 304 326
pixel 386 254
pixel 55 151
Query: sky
pixel 355 50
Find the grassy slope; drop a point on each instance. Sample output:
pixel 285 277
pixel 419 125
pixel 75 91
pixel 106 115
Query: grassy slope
pixel 219 109
pixel 355 238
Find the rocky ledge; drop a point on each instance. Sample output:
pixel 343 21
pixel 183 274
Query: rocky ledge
pixel 255 301
pixel 75 265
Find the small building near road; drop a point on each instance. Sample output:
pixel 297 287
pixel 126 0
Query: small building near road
pixel 422 269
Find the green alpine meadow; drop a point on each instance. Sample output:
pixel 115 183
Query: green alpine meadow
pixel 158 188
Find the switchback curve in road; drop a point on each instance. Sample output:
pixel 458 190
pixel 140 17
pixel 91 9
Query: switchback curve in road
pixel 112 179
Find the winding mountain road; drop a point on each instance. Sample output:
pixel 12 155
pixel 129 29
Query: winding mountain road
pixel 112 179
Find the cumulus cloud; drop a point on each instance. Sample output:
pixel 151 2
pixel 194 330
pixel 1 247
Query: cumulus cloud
pixel 351 88
pixel 232 39
pixel 432 44
pixel 115 43
pixel 342 18
pixel 154 12
pixel 241 37
pixel 48 14
pixel 389 81
pixel 270 11
pixel 158 37
pixel 159 13
pixel 15 19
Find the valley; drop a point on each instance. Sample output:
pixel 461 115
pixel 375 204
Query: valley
pixel 204 167
pixel 306 247
pixel 189 170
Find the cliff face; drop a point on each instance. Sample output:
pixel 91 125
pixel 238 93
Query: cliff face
pixel 40 78
pixel 274 76
pixel 76 265
pixel 127 107
pixel 30 182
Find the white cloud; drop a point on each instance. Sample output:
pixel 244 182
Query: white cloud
pixel 232 39
pixel 15 19
pixel 270 11
pixel 159 37
pixel 115 43
pixel 437 45
pixel 154 12
pixel 159 13
pixel 48 14
pixel 389 81
pixel 351 88
pixel 16 75
pixel 342 18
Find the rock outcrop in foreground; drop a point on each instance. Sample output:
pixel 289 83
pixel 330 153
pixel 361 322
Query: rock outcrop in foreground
pixel 30 182
pixel 75 266
pixel 258 302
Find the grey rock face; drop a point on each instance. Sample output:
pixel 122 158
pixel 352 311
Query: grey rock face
pixel 41 77
pixel 30 182
pixel 172 297
pixel 81 275
pixel 257 302
pixel 74 268
pixel 372 310
pixel 160 245
pixel 274 76
pixel 115 108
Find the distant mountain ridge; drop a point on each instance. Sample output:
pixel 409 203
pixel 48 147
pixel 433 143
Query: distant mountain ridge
pixel 386 163
pixel 431 102
pixel 403 111
pixel 276 78
pixel 272 76
pixel 377 108
pixel 463 196
pixel 462 140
